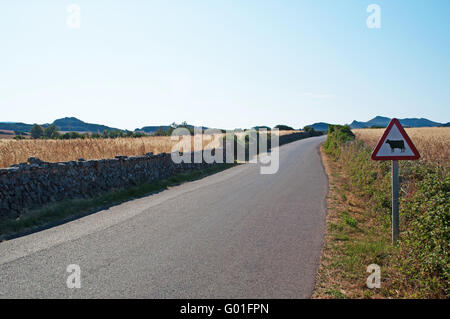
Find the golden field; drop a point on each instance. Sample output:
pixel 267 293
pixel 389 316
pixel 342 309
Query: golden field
pixel 18 151
pixel 433 143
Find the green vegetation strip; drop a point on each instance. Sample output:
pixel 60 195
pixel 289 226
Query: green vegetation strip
pixel 67 210
pixel 419 267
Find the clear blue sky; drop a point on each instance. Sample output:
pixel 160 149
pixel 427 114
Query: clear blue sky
pixel 224 64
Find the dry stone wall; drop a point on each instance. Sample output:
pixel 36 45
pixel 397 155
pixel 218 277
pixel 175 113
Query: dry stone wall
pixel 35 183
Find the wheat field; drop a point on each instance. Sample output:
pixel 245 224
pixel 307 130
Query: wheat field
pixel 18 151
pixel 433 143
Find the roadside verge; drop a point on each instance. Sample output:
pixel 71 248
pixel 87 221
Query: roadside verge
pixel 358 225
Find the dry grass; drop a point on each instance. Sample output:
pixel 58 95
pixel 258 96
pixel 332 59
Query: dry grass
pixel 346 246
pixel 289 132
pixel 18 151
pixel 433 143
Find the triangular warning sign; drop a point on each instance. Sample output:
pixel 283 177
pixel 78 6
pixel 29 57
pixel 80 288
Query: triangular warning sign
pixel 395 144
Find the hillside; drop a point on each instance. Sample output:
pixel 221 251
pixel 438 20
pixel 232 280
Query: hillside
pixel 152 129
pixel 72 124
pixel 18 127
pixel 381 121
pixel 321 126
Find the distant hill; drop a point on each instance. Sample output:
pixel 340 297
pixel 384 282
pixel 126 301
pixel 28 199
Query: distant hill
pixel 321 126
pixel 258 127
pixel 18 127
pixel 70 124
pixel 151 129
pixel 419 123
pixel 380 121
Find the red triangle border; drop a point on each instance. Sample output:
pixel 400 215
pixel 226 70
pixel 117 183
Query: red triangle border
pixel 402 131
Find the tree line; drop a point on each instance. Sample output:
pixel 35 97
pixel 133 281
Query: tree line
pixel 51 132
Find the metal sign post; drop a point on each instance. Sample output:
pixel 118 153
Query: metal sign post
pixel 393 146
pixel 395 215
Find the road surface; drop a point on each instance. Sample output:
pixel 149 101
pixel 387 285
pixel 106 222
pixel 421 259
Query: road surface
pixel 235 234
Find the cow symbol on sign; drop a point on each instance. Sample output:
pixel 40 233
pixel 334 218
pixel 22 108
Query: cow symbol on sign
pixel 396 144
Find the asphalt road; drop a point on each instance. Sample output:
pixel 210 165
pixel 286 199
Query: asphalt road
pixel 235 234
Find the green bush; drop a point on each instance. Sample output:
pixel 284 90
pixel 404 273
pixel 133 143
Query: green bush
pixel 70 135
pixel 337 136
pixel 425 244
pixel 51 132
pixel 284 127
pixel 312 131
pixel 350 221
pixel 37 131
